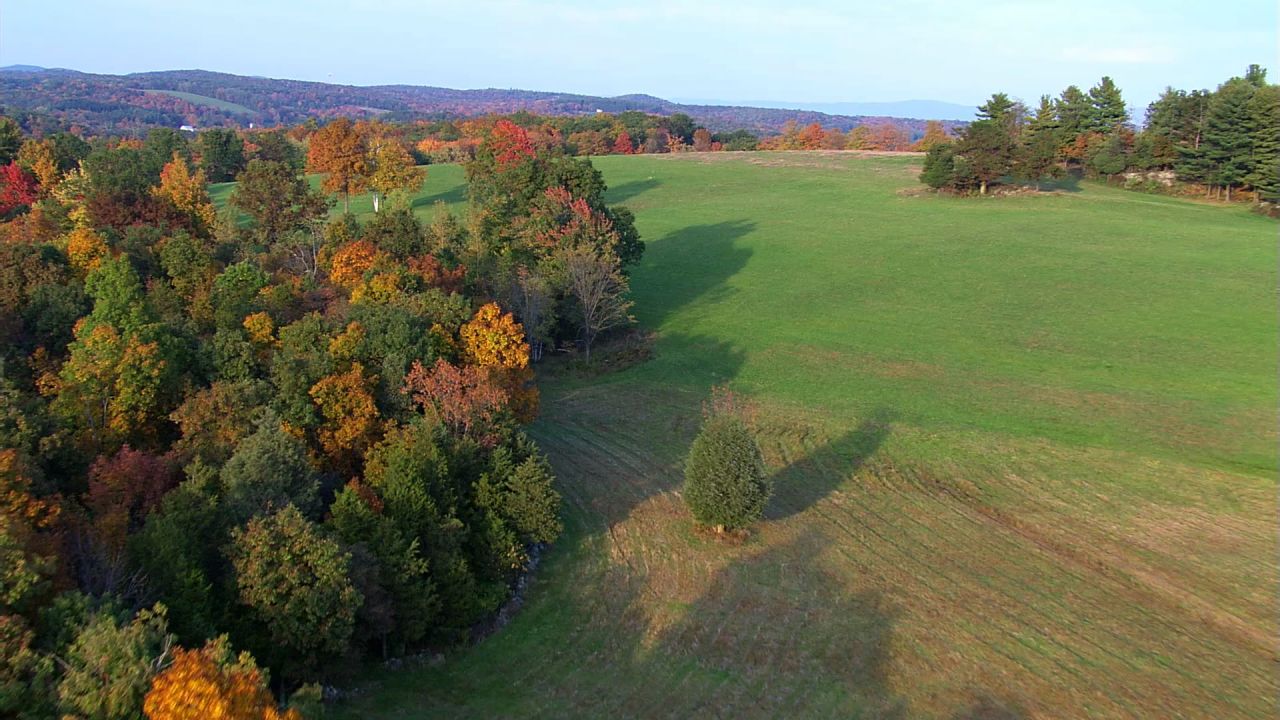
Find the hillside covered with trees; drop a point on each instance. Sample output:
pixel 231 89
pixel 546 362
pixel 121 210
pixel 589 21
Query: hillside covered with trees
pixel 54 100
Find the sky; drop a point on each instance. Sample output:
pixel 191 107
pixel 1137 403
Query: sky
pixel 801 51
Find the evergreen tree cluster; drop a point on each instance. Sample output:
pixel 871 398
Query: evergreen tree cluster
pixel 1225 140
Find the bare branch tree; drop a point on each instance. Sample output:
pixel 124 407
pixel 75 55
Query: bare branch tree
pixel 597 283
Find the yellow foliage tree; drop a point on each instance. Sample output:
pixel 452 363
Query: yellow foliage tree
pixel 205 685
pixel 260 328
pixel 346 404
pixel 86 250
pixel 37 156
pixel 345 345
pixel 390 168
pixel 494 339
pixel 186 190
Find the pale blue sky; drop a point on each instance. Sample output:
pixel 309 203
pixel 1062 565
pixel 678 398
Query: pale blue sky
pixel 736 50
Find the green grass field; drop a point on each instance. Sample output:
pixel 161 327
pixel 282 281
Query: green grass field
pixel 205 100
pixel 1024 452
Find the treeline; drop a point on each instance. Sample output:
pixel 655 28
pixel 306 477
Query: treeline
pixel 1223 143
pixel 271 430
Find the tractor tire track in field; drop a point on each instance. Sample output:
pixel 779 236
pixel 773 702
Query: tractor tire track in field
pixel 1011 579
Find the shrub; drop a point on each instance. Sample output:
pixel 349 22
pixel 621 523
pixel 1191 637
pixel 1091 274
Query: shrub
pixel 725 483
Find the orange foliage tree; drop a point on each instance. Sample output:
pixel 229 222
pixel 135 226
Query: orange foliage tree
pixel 339 151
pixel 206 685
pixel 810 138
pixel 351 262
pixel 934 133
pixel 701 140
pixel 465 399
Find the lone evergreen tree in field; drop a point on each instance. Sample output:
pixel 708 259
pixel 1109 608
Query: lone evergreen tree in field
pixel 725 483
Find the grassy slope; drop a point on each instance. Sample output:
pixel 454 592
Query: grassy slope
pixel 205 100
pixel 1024 451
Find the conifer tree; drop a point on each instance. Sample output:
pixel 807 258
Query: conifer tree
pixel 1107 110
pixel 1264 128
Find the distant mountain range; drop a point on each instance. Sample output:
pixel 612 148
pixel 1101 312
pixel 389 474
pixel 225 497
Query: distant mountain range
pixel 58 98
pixel 921 109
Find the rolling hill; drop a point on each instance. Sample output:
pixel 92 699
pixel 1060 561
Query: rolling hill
pixel 132 103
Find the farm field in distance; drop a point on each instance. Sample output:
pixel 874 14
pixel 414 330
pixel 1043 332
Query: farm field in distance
pixel 1024 453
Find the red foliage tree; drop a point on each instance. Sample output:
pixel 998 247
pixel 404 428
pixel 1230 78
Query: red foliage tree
pixel 435 274
pixel 17 188
pixel 124 488
pixel 623 145
pixel 465 399
pixel 510 143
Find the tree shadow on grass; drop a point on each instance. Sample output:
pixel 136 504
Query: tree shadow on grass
pixel 450 196
pixel 687 265
pixel 1068 183
pixel 806 481
pixel 769 634
pixel 626 191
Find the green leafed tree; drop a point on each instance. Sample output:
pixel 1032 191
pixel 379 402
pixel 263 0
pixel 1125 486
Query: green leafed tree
pixel 295 581
pixel 108 668
pixel 221 154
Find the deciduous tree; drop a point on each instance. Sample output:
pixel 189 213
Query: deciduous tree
pixel 295 581
pixel 209 684
pixel 599 289
pixel 340 152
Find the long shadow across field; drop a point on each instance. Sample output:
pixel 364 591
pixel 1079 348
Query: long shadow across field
pixel 455 194
pixel 692 264
pixel 768 636
pixel 626 191
pixel 803 483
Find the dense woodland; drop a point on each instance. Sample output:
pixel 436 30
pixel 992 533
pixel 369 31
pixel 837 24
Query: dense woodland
pixel 1221 143
pixel 272 441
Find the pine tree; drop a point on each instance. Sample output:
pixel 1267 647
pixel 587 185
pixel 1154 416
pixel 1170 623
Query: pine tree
pixel 1038 154
pixel 1264 129
pixel 1107 110
pixel 987 150
pixel 1227 143
pixel 939 166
